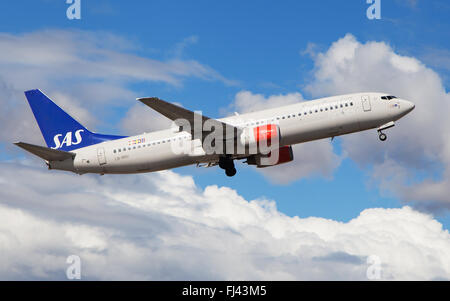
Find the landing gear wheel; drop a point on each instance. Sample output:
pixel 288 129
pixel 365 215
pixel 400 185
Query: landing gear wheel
pixel 224 162
pixel 227 164
pixel 230 172
pixel 382 136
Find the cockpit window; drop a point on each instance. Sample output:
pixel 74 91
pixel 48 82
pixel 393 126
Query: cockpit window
pixel 389 97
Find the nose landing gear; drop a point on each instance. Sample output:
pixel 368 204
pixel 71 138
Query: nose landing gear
pixel 386 126
pixel 227 164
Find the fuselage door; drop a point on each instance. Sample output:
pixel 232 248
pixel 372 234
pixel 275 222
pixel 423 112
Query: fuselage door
pixel 365 99
pixel 101 156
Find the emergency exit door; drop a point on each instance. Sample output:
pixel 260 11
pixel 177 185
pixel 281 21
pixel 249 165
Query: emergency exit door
pixel 101 156
pixel 366 103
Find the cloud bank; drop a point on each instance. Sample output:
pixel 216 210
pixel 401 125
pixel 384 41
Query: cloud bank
pixel 162 226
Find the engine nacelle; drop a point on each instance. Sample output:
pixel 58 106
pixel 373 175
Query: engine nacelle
pixel 279 156
pixel 260 137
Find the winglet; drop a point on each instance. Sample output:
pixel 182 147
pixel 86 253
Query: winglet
pixel 142 99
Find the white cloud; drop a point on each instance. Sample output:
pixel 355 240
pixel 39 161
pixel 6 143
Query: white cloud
pixel 140 119
pixel 57 54
pixel 246 101
pixel 72 105
pixel 310 159
pixel 419 145
pixel 315 158
pixel 162 226
pixel 181 46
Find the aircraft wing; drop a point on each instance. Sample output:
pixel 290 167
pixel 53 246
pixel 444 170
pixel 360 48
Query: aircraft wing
pixel 177 114
pixel 45 153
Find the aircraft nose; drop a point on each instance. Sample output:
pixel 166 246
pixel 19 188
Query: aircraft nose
pixel 408 105
pixel 405 107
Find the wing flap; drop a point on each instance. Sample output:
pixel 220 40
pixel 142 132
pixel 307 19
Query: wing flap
pixel 45 153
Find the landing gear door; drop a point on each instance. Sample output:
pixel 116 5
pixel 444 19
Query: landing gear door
pixel 365 99
pixel 101 156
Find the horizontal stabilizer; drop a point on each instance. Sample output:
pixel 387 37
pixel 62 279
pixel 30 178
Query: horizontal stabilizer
pixel 45 153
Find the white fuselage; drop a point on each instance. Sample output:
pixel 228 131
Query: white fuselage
pixel 298 123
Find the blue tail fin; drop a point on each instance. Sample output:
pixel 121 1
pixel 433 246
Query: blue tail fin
pixel 61 131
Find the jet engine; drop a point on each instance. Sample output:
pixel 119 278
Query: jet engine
pixel 278 156
pixel 260 137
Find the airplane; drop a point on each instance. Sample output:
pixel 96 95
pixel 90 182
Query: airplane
pixel 72 147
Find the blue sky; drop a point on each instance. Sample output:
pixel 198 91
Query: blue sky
pixel 257 46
